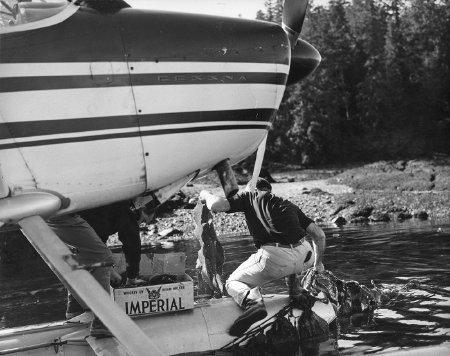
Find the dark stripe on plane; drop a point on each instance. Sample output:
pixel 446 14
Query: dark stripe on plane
pixel 130 134
pixel 207 116
pixel 209 78
pixel 64 126
pixel 148 35
pixel 98 81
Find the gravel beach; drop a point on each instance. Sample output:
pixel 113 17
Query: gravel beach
pixel 371 193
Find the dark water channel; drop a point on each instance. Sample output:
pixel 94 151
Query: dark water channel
pixel 392 254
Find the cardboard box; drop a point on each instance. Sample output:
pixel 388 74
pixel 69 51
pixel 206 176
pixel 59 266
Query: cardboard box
pixel 154 264
pixel 169 263
pixel 146 265
pixel 153 299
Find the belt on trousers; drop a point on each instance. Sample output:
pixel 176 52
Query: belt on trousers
pixel 276 244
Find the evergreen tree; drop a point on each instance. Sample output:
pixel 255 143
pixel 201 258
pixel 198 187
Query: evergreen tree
pixel 382 89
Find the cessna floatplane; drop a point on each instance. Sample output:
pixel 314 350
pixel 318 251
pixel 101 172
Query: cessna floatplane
pixel 100 102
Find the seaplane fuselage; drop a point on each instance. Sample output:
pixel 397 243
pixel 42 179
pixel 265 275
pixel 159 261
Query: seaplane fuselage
pixel 100 103
pixel 101 107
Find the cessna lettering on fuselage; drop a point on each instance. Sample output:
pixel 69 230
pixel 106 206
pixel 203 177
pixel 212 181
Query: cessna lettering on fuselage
pixel 154 304
pixel 192 79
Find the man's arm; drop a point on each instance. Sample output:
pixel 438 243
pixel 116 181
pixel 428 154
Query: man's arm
pixel 318 237
pixel 214 202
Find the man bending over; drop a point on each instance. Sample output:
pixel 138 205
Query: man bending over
pixel 278 228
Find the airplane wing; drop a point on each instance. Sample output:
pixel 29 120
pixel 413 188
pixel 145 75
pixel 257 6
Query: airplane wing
pixel 59 258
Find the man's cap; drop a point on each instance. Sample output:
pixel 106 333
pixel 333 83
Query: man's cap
pixel 262 184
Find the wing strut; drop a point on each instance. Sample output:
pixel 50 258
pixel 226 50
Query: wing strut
pixel 258 162
pixel 57 255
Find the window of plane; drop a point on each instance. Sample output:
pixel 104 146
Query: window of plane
pixel 19 15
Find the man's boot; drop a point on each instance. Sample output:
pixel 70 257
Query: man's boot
pixel 254 310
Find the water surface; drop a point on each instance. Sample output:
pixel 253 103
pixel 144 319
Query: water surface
pixel 392 254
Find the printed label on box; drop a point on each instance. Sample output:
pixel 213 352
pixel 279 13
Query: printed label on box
pixel 156 298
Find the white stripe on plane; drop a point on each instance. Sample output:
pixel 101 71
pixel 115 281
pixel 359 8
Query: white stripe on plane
pixel 13 70
pixel 120 101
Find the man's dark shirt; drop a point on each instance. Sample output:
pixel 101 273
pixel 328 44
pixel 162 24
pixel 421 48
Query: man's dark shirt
pixel 270 218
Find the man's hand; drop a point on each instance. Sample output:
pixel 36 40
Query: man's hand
pixel 318 237
pixel 202 196
pixel 214 202
pixel 319 267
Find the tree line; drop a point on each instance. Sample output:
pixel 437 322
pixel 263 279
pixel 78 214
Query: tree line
pixel 382 90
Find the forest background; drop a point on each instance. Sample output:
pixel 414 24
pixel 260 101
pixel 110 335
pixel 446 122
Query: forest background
pixel 381 92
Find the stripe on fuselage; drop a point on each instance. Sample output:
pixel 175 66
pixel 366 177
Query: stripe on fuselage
pixel 17 77
pixel 19 84
pixel 40 133
pixel 71 107
pixel 10 70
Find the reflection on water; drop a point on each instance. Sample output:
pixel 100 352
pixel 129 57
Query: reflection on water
pixel 392 255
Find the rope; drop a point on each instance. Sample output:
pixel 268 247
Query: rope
pixel 55 344
pixel 257 329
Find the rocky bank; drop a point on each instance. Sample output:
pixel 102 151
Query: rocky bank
pixel 365 194
pixel 370 193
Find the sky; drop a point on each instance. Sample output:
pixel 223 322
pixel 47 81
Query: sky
pixel 231 8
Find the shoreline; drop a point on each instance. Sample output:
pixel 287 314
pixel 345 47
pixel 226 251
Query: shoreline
pixel 373 193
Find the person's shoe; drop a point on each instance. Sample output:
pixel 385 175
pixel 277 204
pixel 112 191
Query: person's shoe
pixel 134 281
pixel 99 330
pixel 84 318
pixel 254 312
pixel 73 307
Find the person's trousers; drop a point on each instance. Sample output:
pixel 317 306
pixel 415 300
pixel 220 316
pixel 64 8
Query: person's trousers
pixel 89 248
pixel 129 235
pixel 118 218
pixel 267 264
